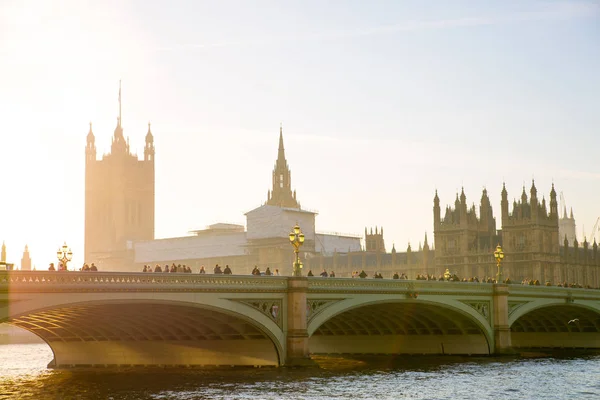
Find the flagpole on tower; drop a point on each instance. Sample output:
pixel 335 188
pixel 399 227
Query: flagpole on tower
pixel 120 120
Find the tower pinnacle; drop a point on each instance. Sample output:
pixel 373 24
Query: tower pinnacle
pixel 90 148
pixel 149 148
pixel 119 145
pixel 281 151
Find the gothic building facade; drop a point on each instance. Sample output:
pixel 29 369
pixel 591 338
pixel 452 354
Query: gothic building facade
pixel 464 244
pixel 530 237
pixel 119 198
pixel 119 230
pixel 374 258
pixel 461 238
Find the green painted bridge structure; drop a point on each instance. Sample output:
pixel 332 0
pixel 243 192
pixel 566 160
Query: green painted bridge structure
pixel 153 319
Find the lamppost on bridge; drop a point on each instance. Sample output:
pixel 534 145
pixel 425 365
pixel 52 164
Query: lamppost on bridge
pixel 297 240
pixel 499 256
pixel 64 255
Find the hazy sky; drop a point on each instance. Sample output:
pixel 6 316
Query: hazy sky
pixel 382 103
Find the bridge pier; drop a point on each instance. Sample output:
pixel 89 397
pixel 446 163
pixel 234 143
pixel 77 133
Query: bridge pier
pixel 502 335
pixel 297 334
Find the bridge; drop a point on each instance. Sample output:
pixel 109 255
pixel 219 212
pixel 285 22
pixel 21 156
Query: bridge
pixel 160 319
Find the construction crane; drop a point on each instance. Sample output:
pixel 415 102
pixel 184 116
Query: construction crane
pixel 595 230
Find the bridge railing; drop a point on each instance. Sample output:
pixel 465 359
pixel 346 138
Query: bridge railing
pixel 317 284
pixel 108 280
pixel 75 280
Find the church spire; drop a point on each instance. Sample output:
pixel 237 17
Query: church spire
pixel 282 195
pixel 3 254
pixel 119 144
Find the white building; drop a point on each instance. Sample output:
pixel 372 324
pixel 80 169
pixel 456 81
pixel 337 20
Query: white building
pixel 264 242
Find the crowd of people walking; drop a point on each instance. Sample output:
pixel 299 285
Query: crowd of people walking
pixel 256 271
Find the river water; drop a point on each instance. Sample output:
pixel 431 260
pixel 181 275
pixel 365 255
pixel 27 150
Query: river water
pixel 23 375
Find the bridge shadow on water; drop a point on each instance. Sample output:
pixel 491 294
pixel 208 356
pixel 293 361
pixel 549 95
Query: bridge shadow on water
pixel 346 374
pixel 266 382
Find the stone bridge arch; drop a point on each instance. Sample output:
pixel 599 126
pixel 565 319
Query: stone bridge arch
pixel 152 328
pixel 392 324
pixel 554 322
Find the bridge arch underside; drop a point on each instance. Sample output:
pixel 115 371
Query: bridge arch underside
pixel 399 328
pixel 139 334
pixel 561 326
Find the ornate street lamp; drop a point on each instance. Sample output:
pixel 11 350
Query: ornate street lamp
pixel 447 275
pixel 64 255
pixel 499 256
pixel 297 240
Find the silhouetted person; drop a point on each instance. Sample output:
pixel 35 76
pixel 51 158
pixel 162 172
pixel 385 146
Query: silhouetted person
pixel 227 270
pixel 310 273
pixel 324 274
pixel 332 274
pixel 93 268
pixel 268 272
pixel 217 270
pixel 51 267
pixel 362 274
pixel 256 271
pixel 396 276
pixel 202 271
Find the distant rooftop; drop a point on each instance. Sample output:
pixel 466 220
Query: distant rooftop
pixel 300 210
pixel 340 234
pixel 224 227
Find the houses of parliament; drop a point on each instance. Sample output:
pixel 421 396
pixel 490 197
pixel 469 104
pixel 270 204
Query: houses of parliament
pixel 119 231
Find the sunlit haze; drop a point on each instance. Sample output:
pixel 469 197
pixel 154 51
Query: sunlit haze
pixel 381 103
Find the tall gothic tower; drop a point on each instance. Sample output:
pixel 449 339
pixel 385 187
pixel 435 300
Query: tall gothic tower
pixel 567 227
pixel 530 236
pixel 26 260
pixel 281 195
pixel 374 241
pixel 464 241
pixel 119 197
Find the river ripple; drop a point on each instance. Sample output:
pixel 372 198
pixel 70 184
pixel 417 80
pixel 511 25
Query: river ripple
pixel 24 376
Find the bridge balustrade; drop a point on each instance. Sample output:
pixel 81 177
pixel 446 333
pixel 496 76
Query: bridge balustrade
pixel 49 278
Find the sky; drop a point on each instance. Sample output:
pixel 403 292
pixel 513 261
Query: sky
pixel 382 103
